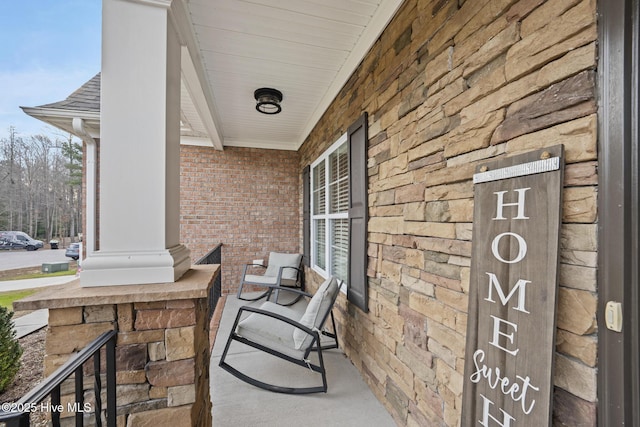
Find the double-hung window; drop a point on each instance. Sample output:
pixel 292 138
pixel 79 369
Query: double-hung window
pixel 335 212
pixel 330 211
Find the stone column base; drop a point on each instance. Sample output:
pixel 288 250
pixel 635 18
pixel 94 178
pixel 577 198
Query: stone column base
pixel 162 348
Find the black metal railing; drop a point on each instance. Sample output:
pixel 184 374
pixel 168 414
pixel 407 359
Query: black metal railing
pixel 34 401
pixel 214 256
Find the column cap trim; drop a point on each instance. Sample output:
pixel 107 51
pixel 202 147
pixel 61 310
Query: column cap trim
pixel 165 4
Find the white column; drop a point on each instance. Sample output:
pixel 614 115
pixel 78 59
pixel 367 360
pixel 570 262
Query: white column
pixel 139 186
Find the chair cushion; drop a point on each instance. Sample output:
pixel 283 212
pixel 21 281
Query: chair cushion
pixel 259 280
pixel 277 260
pixel 320 304
pixel 270 332
pixel 254 279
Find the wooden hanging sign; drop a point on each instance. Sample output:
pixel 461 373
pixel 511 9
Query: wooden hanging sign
pixel 513 289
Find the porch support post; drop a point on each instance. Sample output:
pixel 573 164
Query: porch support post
pixel 139 218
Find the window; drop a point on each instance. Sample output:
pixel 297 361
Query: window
pixel 335 212
pixel 330 210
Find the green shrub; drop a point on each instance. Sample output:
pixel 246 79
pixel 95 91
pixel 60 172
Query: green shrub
pixel 10 350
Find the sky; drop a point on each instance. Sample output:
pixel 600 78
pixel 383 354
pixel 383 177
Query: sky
pixel 48 49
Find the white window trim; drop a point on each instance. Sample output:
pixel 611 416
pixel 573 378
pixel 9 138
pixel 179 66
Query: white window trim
pixel 344 215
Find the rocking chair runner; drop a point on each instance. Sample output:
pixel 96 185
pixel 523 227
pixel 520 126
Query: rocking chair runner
pixel 282 332
pixel 283 270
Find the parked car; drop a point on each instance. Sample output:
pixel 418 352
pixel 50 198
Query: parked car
pixel 18 240
pixel 73 251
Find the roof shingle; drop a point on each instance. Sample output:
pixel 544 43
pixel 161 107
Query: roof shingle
pixel 85 98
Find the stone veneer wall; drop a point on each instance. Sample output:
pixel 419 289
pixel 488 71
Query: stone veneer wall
pixel 447 85
pixel 244 198
pixel 161 350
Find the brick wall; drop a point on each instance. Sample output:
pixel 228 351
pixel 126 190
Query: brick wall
pixel 244 198
pixel 447 85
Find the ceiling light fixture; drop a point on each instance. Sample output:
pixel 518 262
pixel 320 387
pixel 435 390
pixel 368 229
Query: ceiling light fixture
pixel 268 100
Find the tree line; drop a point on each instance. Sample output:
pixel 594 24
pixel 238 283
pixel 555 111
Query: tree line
pixel 41 185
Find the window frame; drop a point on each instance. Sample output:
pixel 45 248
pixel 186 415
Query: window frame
pixel 327 216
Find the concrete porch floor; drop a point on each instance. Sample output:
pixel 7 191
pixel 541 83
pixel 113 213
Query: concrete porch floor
pixel 348 401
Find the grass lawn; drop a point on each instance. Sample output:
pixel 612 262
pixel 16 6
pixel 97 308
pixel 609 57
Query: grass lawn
pixel 38 275
pixel 7 298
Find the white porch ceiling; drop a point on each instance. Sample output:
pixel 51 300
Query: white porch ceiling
pixel 307 49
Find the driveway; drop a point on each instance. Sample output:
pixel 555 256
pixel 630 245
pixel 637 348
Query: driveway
pixel 10 260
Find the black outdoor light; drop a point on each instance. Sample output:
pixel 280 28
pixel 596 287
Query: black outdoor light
pixel 268 100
